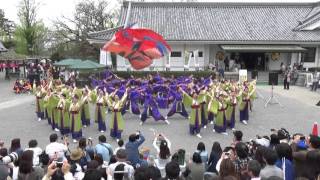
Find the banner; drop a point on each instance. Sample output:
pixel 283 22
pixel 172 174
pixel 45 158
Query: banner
pixel 103 57
pixel 243 75
pixel 108 59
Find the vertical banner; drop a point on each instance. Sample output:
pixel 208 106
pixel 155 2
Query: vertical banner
pixel 103 57
pixel 108 59
pixel 243 75
pixel 196 59
pixel 187 58
pixel 168 62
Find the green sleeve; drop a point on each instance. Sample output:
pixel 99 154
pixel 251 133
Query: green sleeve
pixel 213 106
pixel 187 100
pixel 93 96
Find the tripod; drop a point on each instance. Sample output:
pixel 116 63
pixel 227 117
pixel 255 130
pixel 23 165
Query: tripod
pixel 272 99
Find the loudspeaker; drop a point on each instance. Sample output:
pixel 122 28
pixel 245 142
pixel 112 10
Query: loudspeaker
pixel 273 78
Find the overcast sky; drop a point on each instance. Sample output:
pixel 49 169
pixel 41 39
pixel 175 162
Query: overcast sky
pixel 51 9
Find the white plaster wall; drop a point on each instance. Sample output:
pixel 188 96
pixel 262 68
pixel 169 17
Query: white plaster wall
pixel 214 48
pixel 275 65
pixel 121 66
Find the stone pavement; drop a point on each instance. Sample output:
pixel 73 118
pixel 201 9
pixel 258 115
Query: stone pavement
pixel 17 116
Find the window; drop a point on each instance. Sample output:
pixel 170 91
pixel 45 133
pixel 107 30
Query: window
pixel 200 54
pixel 309 55
pixel 176 54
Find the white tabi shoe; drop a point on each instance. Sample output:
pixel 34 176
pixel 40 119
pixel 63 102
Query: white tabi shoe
pixel 56 129
pixel 214 130
pixel 141 123
pixel 233 129
pixel 205 127
pixel 102 131
pixel 225 133
pixel 85 126
pixel 166 117
pixel 245 122
pixel 199 136
pixel 211 122
pixel 75 141
pixel 167 122
pixel 39 119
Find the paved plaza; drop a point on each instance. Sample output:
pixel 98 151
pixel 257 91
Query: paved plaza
pixel 18 119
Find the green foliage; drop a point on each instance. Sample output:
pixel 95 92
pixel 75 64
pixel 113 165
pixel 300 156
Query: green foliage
pixel 6 27
pixel 30 34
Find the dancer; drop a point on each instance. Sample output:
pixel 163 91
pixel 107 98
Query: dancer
pixel 55 118
pixel 204 107
pixel 178 106
pixel 63 108
pixel 195 116
pixel 75 116
pixel 220 122
pixel 150 108
pixel 230 111
pixel 40 94
pixel 116 123
pixel 85 110
pixel 47 106
pixel 100 115
pixel 245 103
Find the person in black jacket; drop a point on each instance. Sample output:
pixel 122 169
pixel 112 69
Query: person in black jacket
pixel 214 157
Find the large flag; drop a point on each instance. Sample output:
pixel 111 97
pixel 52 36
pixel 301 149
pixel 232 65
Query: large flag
pixel 139 46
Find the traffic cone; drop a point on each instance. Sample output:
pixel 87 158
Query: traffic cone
pixel 315 129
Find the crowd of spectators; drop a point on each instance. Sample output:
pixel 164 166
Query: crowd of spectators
pixel 276 156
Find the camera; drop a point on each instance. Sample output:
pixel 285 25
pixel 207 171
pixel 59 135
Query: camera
pixel 59 162
pixel 12 157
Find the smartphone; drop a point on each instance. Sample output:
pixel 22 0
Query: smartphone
pixel 59 162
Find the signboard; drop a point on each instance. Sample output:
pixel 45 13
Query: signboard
pixel 243 75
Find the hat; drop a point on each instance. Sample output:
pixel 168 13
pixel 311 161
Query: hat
pixel 315 129
pixel 76 154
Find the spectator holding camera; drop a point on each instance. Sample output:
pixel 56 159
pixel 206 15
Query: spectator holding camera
pixel 162 146
pixel 55 149
pixel 57 172
pixel 132 149
pixel 104 149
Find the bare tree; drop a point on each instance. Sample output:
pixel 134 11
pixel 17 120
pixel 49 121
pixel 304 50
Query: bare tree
pixel 89 16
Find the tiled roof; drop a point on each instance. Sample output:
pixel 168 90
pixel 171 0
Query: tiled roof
pixel 227 22
pixel 104 35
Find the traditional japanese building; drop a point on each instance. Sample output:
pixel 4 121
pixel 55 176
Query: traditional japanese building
pixel 251 35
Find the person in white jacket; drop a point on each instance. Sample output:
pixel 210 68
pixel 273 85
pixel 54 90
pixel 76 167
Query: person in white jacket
pixel 37 151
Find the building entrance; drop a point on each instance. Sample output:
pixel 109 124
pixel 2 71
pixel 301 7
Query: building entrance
pixel 252 61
